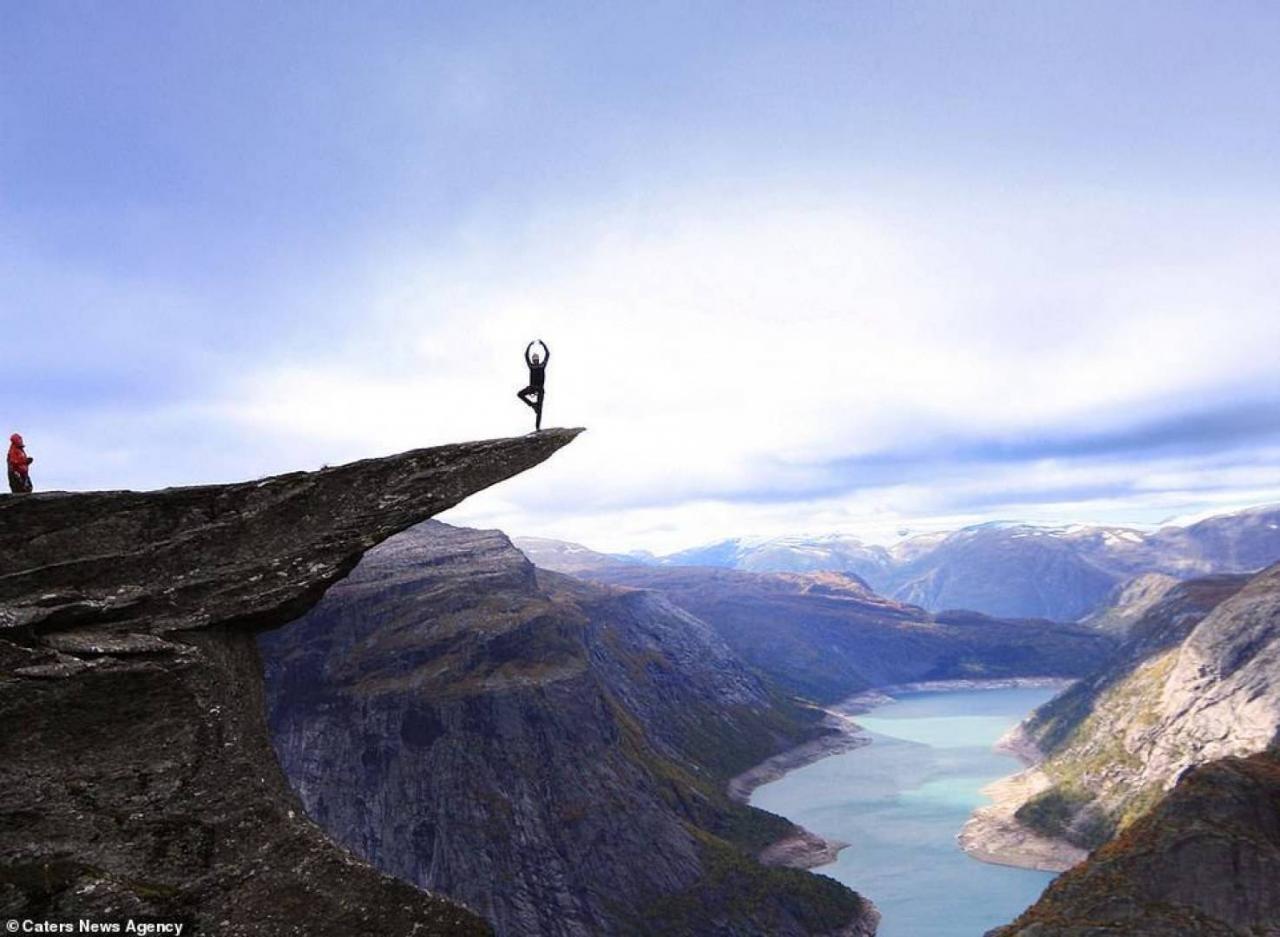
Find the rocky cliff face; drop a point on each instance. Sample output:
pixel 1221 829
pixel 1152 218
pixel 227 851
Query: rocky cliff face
pixel 551 753
pixel 136 775
pixel 1198 680
pixel 1129 601
pixel 1204 861
pixel 827 636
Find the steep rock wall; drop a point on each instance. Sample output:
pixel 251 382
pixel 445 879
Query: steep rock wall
pixel 136 775
pixel 551 752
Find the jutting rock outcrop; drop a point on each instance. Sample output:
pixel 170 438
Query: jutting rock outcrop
pixel 136 775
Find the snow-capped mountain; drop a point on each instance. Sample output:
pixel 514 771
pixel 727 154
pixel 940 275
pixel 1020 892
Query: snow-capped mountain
pixel 1002 568
pixel 565 557
pixel 798 554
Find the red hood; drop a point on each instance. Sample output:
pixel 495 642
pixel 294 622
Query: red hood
pixel 16 439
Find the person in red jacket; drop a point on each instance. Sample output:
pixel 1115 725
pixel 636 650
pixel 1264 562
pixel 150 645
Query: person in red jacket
pixel 19 477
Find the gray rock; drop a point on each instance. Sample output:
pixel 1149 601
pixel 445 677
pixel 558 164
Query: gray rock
pixel 136 775
pixel 1129 601
pixel 550 752
pixel 1197 680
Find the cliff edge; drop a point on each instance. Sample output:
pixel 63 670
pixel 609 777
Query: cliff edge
pixel 136 773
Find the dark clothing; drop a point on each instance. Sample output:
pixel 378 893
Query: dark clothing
pixel 533 394
pixel 536 393
pixel 19 484
pixel 537 372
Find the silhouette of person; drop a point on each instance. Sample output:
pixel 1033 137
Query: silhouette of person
pixel 19 462
pixel 533 394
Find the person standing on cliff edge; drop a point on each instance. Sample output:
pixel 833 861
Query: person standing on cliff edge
pixel 19 462
pixel 532 395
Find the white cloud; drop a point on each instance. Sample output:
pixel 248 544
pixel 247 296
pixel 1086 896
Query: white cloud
pixel 730 348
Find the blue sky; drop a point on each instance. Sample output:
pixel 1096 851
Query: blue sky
pixel 853 267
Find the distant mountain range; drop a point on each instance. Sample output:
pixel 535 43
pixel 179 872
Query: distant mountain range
pixel 833 552
pixel 825 636
pixel 1009 570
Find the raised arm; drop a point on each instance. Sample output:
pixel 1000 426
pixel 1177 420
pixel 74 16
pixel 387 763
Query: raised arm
pixel 528 348
pixel 546 352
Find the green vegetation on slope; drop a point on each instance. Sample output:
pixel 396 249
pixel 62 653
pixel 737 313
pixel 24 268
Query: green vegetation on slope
pixel 734 885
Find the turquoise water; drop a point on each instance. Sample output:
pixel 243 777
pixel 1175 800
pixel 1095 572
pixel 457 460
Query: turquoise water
pixel 901 800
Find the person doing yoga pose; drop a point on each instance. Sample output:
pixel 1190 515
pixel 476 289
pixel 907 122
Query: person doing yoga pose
pixel 533 394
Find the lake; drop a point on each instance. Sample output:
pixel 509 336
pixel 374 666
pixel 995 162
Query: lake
pixel 900 802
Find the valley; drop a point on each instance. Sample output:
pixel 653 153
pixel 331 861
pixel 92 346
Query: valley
pixel 899 801
pixel 434 724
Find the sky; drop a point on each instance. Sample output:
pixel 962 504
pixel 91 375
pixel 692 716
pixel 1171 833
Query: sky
pixel 860 267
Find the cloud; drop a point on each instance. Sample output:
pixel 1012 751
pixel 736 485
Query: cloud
pixel 804 351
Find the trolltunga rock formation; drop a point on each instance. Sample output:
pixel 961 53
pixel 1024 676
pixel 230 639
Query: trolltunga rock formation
pixel 136 775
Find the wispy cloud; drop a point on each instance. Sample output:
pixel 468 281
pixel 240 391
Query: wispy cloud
pixel 849 268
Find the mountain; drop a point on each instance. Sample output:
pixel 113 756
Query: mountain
pixel 1007 570
pixel 136 772
pixel 1239 542
pixel 1011 571
pixel 564 557
pixel 550 752
pixel 826 636
pixel 1129 601
pixel 1043 817
pixel 832 552
pixel 1197 680
pixel 1067 573
pixel 1204 861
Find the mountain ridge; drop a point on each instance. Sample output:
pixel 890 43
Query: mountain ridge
pixel 827 636
pixel 1008 569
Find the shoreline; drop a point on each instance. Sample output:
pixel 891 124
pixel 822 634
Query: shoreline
pixel 994 835
pixel 805 849
pixel 843 735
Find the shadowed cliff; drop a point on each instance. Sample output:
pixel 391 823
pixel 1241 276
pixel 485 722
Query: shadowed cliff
pixel 136 776
pixel 552 752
